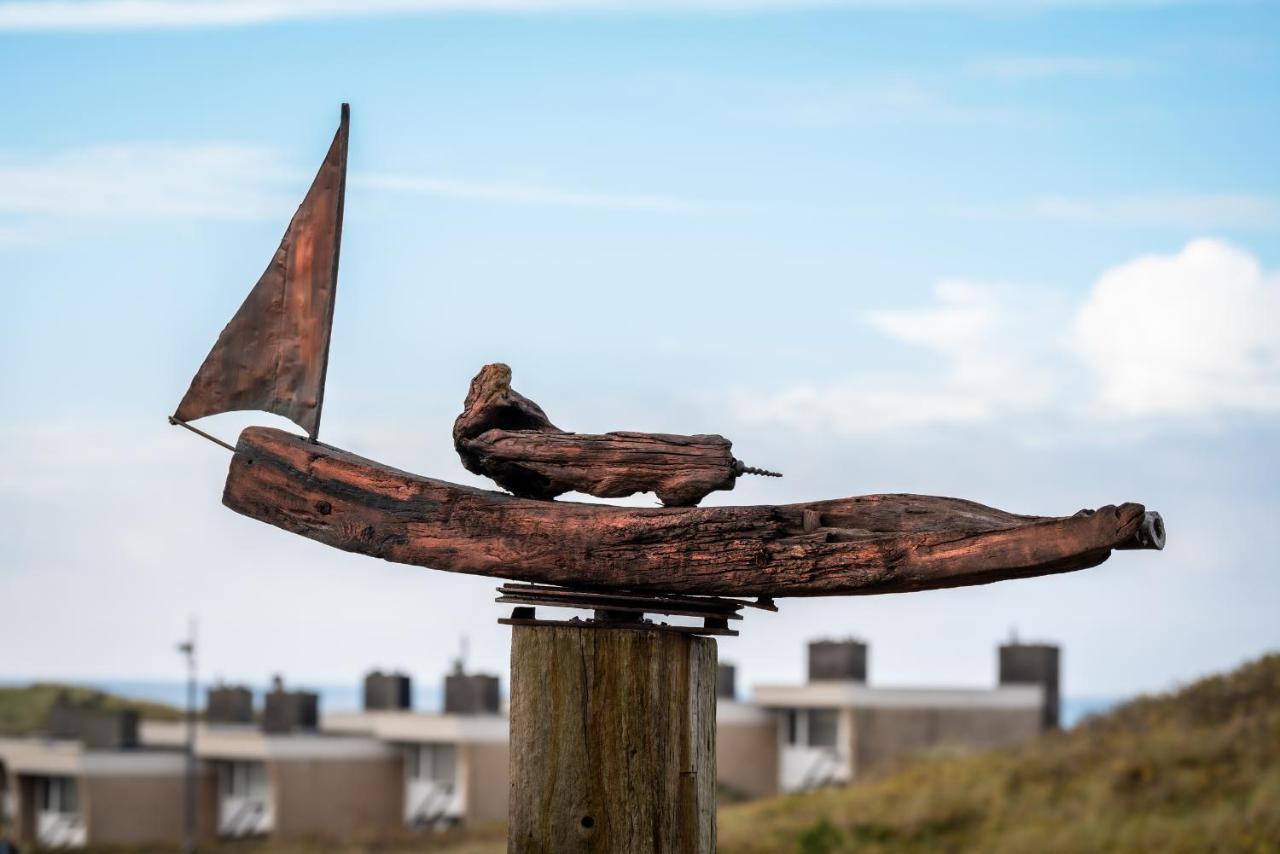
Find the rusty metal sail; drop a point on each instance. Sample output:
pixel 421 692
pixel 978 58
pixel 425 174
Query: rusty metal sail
pixel 274 354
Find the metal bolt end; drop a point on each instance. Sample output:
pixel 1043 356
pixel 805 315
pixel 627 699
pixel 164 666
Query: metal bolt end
pixel 1150 533
pixel 739 467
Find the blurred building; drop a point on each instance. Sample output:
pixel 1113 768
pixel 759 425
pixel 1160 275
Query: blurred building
pixel 836 726
pixel 453 764
pixel 746 742
pixel 281 771
pixel 88 779
pixel 302 774
pixel 289 771
pixel 280 775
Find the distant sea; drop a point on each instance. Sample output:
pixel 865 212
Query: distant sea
pixel 333 698
pixel 1076 709
pixel 348 698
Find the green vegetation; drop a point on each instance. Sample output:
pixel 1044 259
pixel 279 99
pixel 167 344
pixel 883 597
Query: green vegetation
pixel 25 709
pixel 1198 770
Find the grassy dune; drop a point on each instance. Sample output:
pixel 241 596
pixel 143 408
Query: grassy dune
pixel 24 709
pixel 1198 770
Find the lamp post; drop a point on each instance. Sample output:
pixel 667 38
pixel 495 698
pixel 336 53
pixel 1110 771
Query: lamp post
pixel 188 648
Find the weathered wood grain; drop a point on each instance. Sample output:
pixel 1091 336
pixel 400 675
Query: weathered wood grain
pixel 680 470
pixel 869 544
pixel 503 435
pixel 612 741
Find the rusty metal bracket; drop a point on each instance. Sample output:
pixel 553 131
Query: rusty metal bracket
pixel 624 610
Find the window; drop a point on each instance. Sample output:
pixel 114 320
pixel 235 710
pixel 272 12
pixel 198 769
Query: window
pixel 823 726
pixel 435 762
pixel 811 727
pixel 59 795
pixel 244 780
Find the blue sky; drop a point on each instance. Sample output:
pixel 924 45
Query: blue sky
pixel 1019 252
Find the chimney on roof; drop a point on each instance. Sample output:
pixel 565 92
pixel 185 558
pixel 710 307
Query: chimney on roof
pixel 842 660
pixel 470 693
pixel 387 691
pixel 288 711
pixel 101 729
pixel 64 718
pixel 229 704
pixel 726 682
pixel 1033 664
pixel 92 725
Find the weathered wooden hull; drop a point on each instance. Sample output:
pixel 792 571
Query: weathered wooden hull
pixel 869 544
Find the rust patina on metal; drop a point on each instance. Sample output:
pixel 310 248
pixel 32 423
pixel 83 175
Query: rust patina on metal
pixel 274 353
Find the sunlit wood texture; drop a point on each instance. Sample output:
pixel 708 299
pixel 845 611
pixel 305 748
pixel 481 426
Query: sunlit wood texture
pixel 869 544
pixel 504 435
pixel 612 741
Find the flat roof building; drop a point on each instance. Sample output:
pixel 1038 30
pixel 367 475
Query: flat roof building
pixel 290 785
pixel 294 771
pixel 87 780
pixel 836 726
pixel 284 777
pixel 454 766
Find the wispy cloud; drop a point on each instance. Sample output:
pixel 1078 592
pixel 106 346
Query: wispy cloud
pixel 1192 211
pixel 873 99
pixel 533 194
pixel 1039 67
pixel 150 180
pixel 1188 210
pixel 185 14
pixel 993 360
pixel 16 236
pixel 897 99
pixel 220 182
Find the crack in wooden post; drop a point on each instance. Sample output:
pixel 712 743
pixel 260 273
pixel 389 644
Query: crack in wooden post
pixel 612 740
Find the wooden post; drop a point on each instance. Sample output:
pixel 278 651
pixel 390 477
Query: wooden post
pixel 612 740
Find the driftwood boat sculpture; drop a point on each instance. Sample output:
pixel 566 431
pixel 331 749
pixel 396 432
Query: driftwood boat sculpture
pixel 273 355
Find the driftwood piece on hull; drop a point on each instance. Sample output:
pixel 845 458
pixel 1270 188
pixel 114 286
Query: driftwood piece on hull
pixel 869 544
pixel 503 435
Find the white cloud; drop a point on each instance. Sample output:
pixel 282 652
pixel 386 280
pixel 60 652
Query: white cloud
pixel 993 362
pixel 982 332
pixel 1193 334
pixel 1187 334
pixel 184 14
pixel 1037 67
